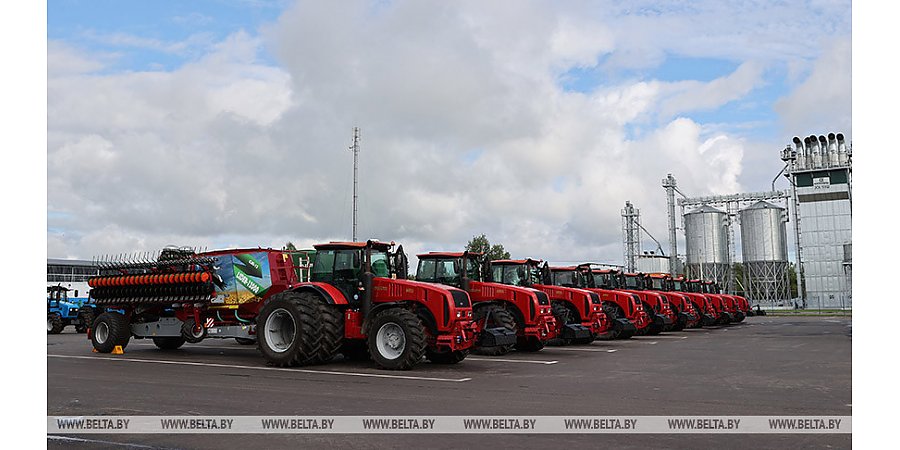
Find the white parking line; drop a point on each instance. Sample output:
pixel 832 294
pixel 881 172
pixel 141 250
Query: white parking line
pixel 583 349
pixel 511 360
pixel 281 369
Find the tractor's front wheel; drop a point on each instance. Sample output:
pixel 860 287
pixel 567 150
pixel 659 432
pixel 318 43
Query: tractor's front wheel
pixel 55 323
pixel 396 339
pixel 109 330
pixel 563 316
pixel 494 316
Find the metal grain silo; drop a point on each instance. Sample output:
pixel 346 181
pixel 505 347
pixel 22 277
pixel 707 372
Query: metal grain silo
pixel 764 251
pixel 706 236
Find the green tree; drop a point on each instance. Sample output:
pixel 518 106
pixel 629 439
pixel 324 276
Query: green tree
pixel 481 244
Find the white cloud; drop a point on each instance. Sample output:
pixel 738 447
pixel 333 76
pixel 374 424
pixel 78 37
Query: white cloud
pixel 821 102
pixel 229 151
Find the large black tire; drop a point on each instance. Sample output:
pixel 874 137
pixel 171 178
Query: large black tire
pixel 612 313
pixel 396 339
pixel 192 334
pixel 332 327
pixel 168 342
pixel 289 330
pixel 652 329
pixel 497 317
pixel 109 330
pixel 446 357
pixel 355 350
pixel 563 316
pixel 85 319
pixel 55 323
pixel 530 344
pixel 245 341
pixel 679 322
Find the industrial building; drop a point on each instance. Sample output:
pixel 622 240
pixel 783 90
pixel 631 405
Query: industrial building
pixel 817 205
pixel 820 171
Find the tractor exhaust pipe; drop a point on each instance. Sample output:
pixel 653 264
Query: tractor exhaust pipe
pixel 368 282
pixel 464 279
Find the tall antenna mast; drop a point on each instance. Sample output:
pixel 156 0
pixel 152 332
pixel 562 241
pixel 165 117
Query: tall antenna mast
pixel 355 149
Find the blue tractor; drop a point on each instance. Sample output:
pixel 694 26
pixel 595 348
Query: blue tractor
pixel 62 311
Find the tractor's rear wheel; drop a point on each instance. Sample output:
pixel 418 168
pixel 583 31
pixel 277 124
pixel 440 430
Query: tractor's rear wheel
pixel 289 330
pixel 55 323
pixel 494 316
pixel 168 342
pixel 396 339
pixel 109 330
pixel 85 319
pixel 332 327
pixel 446 357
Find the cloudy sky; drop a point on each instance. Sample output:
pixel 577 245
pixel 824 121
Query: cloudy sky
pixel 226 123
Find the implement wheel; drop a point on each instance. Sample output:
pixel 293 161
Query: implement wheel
pixel 109 330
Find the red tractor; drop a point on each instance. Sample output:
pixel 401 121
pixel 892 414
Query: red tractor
pixel 700 302
pixel 523 312
pixel 718 302
pixel 685 314
pixel 581 277
pixel 605 282
pixel 732 304
pixel 662 318
pixel 579 314
pixel 357 302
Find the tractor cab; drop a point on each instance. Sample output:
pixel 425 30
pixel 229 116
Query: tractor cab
pixel 450 268
pixel 520 272
pixel 57 294
pixel 345 265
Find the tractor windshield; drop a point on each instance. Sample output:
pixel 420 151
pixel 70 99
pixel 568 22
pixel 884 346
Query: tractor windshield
pixel 632 283
pixel 473 268
pixel 433 270
pixel 381 264
pixel 604 281
pixel 513 274
pixel 564 278
pixel 657 284
pixel 678 286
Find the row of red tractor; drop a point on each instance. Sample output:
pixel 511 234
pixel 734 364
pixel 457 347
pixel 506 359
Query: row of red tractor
pixel 357 300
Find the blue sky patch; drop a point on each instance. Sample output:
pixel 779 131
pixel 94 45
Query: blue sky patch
pixel 155 35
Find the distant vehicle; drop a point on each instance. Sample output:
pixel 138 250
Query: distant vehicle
pixel 63 311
